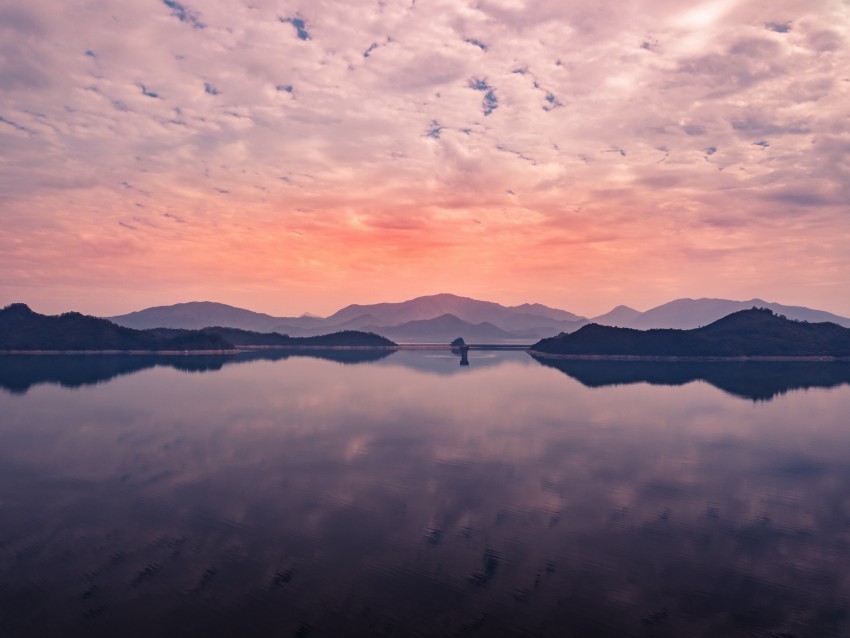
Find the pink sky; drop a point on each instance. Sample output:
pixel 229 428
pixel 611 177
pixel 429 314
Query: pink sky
pixel 299 156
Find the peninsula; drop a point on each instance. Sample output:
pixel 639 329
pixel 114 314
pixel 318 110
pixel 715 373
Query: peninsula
pixel 756 333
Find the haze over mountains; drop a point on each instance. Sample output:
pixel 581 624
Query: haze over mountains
pixel 686 314
pixel 435 317
pixel 444 316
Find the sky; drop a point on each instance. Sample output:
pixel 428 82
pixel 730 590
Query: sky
pixel 298 156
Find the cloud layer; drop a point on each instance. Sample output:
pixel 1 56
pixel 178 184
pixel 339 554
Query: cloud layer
pixel 303 155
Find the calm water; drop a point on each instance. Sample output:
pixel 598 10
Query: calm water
pixel 404 495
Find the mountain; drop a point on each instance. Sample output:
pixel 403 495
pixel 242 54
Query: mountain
pixel 747 333
pixel 692 313
pixel 471 310
pixel 529 321
pixel 364 322
pixel 437 329
pixel 23 329
pixel 539 310
pixel 202 314
pixel 621 316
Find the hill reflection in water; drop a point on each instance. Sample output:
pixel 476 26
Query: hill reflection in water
pixel 18 373
pixel 756 380
pixel 304 497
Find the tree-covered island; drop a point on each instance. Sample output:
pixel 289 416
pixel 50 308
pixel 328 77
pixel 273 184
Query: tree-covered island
pixel 749 333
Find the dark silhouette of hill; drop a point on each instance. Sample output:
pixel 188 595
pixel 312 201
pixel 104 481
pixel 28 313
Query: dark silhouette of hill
pixel 23 329
pixel 344 338
pixel 18 373
pixel 755 380
pixel 340 339
pixel 748 333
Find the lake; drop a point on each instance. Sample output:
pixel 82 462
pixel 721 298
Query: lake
pixel 401 494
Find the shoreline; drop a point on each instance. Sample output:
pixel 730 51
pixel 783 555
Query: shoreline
pixel 443 347
pixel 254 348
pixel 234 351
pixel 134 352
pixel 673 359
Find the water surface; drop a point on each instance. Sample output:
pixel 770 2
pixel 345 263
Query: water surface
pixel 276 494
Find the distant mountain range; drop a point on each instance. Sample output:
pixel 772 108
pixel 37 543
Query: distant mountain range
pixel 443 317
pixel 436 317
pixel 685 314
pixel 757 332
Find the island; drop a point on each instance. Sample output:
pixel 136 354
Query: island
pixel 24 331
pixel 757 333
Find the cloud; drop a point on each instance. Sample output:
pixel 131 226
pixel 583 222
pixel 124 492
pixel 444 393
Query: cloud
pixel 14 125
pixel 376 116
pixel 778 27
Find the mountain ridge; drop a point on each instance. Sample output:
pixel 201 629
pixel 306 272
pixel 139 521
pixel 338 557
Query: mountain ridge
pixel 528 320
pixel 686 313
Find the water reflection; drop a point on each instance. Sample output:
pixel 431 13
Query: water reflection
pixel 301 497
pixel 746 379
pixel 18 373
pixel 756 380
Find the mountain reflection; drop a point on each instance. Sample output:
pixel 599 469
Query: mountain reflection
pixel 756 380
pixel 18 373
pixel 385 500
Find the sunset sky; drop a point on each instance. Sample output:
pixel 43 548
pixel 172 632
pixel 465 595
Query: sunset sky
pixel 298 156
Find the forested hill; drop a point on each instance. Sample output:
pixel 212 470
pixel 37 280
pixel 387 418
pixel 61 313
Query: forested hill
pixel 342 339
pixel 23 329
pixel 748 333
